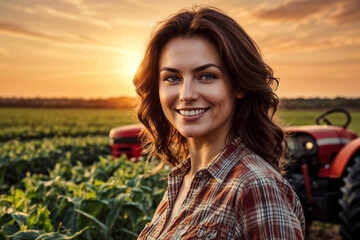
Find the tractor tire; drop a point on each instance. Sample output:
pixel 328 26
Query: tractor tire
pixel 350 202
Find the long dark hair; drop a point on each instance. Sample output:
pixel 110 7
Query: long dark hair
pixel 253 118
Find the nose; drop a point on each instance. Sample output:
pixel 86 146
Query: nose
pixel 188 91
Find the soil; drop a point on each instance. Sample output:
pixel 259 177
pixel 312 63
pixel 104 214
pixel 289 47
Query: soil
pixel 324 231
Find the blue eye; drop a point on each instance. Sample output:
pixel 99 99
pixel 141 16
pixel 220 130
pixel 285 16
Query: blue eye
pixel 171 79
pixel 207 77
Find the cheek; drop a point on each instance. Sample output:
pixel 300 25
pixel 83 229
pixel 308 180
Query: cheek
pixel 220 94
pixel 162 94
pixel 167 97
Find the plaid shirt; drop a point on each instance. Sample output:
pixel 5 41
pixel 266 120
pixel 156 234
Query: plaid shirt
pixel 238 196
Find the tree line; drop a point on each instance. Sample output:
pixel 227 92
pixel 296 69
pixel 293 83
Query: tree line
pixel 130 102
pixel 320 103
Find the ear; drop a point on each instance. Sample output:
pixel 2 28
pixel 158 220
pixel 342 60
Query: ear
pixel 240 94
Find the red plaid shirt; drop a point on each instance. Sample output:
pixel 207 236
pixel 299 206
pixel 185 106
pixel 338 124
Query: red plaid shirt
pixel 238 196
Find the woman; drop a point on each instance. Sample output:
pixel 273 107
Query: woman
pixel 206 101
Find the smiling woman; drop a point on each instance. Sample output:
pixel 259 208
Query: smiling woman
pixel 194 91
pixel 206 101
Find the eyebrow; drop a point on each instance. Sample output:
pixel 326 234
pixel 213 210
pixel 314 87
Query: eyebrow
pixel 200 68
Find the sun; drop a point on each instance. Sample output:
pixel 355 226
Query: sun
pixel 128 65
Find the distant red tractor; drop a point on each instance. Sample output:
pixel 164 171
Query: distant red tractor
pixel 125 140
pixel 324 169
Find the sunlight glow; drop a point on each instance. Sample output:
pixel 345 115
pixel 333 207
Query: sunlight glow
pixel 129 66
pixel 78 48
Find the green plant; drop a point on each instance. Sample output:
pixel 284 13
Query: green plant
pixel 110 199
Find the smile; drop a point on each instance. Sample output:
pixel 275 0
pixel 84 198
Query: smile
pixel 192 112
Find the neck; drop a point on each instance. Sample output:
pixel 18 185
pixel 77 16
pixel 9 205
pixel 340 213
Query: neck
pixel 203 151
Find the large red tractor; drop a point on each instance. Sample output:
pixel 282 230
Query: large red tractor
pixel 324 169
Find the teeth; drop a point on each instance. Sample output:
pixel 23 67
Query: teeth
pixel 192 112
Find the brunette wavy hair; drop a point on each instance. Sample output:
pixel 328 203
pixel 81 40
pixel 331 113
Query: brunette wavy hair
pixel 253 116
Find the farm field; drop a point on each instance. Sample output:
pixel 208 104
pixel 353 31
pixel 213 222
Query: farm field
pixel 58 178
pixel 37 123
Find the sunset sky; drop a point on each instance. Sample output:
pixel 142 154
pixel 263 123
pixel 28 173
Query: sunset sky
pixel 91 48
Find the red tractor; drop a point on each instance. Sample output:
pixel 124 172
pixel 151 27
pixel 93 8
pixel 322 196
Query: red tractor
pixel 125 140
pixel 324 169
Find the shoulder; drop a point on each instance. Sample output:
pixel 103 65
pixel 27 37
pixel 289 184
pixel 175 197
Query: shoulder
pixel 265 200
pixel 258 180
pixel 252 170
pixel 260 186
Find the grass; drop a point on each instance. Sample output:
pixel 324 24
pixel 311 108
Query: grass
pixel 324 231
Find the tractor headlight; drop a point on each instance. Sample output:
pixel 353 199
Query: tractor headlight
pixel 310 146
pixel 302 145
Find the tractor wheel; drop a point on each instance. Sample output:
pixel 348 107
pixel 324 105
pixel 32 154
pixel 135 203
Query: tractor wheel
pixel 350 202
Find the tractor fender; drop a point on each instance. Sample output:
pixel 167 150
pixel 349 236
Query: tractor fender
pixel 343 157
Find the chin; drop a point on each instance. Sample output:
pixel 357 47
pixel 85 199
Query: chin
pixel 192 134
pixel 188 134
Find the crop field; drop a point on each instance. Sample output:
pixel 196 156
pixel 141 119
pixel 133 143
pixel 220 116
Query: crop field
pixel 58 179
pixel 29 123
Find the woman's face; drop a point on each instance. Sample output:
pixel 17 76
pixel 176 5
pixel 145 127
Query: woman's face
pixel 195 93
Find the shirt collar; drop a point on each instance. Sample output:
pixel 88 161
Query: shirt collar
pixel 227 159
pixel 181 169
pixel 220 167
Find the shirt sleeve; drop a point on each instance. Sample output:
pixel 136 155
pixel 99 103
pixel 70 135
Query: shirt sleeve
pixel 268 209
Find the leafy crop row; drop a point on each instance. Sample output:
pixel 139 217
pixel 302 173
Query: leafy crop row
pixel 110 199
pixel 39 156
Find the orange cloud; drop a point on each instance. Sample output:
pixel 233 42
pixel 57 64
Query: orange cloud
pixel 19 30
pixel 348 14
pixel 22 31
pixel 346 11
